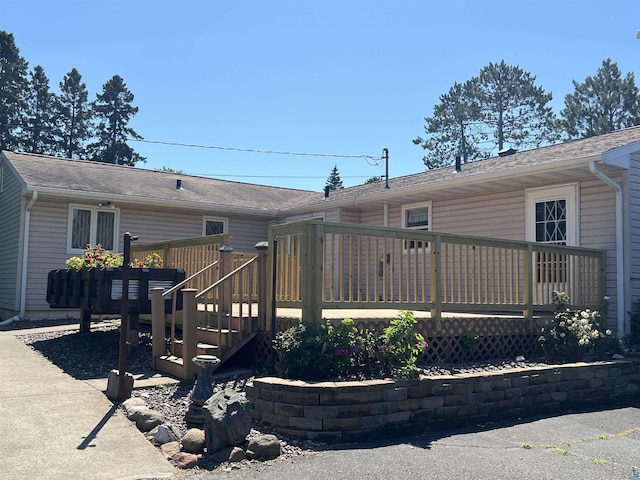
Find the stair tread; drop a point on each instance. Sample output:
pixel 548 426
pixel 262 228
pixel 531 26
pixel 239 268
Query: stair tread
pixel 171 358
pixel 215 330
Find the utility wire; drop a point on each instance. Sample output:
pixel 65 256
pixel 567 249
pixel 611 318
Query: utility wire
pixel 251 150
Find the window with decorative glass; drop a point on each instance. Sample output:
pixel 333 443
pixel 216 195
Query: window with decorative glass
pixel 214 226
pixel 92 226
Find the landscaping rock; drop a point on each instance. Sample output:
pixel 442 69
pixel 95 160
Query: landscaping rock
pixel 237 455
pixel 185 460
pixel 193 441
pixel 162 434
pixel 132 404
pixel 227 419
pixel 145 418
pixel 264 447
pixel 170 449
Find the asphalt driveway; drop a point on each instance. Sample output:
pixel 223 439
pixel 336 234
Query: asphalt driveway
pixel 596 445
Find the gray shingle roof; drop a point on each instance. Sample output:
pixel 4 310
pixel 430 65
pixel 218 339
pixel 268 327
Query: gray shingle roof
pixel 518 161
pixel 40 171
pixel 78 176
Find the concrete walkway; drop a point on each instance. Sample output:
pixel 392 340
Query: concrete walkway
pixel 53 426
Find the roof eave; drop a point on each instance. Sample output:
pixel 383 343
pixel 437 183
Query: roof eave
pixel 183 204
pixel 460 180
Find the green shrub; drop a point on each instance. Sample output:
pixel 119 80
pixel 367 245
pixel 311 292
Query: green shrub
pixel 324 351
pixel 573 335
pixel 469 342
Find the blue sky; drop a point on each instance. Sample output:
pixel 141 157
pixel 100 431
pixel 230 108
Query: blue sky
pixel 347 77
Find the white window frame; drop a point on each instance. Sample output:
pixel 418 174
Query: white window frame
pixel 569 193
pixel 93 227
pixel 223 220
pixel 429 227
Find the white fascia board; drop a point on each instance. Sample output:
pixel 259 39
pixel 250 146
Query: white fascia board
pixel 621 156
pixel 115 198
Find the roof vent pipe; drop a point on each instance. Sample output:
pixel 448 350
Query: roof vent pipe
pixel 178 184
pixel 458 167
pixel 327 189
pixel 506 152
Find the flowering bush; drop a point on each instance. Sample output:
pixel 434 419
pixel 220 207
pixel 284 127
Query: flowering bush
pixel 98 257
pixel 323 351
pixel 574 334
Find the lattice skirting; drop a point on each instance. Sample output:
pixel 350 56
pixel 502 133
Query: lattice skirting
pixel 503 338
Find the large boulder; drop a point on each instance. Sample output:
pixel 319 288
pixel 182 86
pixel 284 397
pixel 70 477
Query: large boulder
pixel 264 447
pixel 227 419
pixel 193 441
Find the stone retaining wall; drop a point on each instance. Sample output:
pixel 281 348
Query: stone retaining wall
pixel 351 411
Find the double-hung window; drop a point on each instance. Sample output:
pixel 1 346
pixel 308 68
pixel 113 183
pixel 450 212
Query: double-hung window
pixel 92 226
pixel 416 217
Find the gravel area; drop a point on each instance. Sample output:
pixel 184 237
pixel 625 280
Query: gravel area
pixel 93 355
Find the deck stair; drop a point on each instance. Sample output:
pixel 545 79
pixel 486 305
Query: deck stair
pixel 219 320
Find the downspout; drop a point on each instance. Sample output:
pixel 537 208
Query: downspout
pixel 593 168
pixel 25 253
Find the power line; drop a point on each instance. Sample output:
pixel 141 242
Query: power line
pixel 273 176
pixel 252 150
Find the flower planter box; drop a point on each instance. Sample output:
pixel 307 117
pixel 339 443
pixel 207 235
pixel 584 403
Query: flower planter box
pixel 100 291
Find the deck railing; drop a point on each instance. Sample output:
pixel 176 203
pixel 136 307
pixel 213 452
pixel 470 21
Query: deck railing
pixel 336 265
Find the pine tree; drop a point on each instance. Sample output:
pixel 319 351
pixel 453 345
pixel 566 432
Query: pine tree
pixel 515 110
pixel 113 110
pixel 73 117
pixel 13 88
pixel 334 182
pixel 38 127
pixel 602 103
pixel 452 130
pixel 500 107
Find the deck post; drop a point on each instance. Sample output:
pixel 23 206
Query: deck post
pixel 436 282
pixel 226 259
pixel 157 324
pixel 312 267
pixel 527 270
pixel 189 332
pixel 262 281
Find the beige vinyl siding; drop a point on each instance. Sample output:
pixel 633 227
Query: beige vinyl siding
pixel 152 226
pixel 245 233
pixel 11 203
pixel 49 238
pixel 47 251
pixel 497 214
pixel 634 230
pixel 350 216
pixel 598 230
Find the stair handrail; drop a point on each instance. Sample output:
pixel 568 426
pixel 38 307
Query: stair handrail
pixel 178 286
pixel 174 300
pixel 226 277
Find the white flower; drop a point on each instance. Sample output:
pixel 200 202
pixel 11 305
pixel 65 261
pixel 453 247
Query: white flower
pixel 608 332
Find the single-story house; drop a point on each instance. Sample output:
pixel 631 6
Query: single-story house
pixel 582 193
